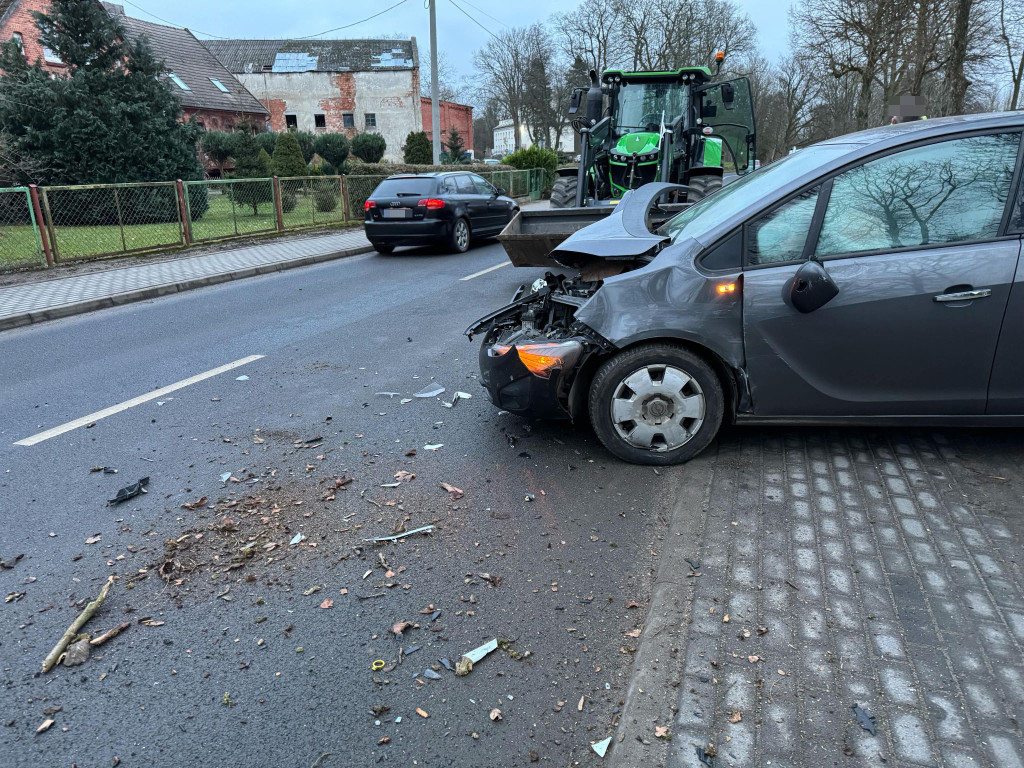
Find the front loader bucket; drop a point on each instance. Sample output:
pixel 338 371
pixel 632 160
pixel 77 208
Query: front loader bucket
pixel 531 236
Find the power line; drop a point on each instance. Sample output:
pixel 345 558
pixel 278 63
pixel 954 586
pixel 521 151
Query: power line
pixel 166 21
pixel 485 29
pixel 485 13
pixel 354 23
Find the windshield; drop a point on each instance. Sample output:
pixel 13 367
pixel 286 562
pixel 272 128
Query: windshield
pixel 639 106
pixel 757 185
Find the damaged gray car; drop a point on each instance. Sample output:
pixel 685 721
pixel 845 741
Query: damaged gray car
pixel 868 279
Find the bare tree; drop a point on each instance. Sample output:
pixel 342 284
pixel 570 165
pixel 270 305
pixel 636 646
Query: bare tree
pixel 1011 34
pixel 502 76
pixel 591 32
pixel 448 87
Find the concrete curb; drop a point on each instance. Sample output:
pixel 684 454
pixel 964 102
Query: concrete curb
pixel 152 292
pixel 659 661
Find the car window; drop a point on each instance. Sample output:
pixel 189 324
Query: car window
pixel 732 199
pixel 408 186
pixel 948 192
pixel 483 187
pixel 465 185
pixel 447 186
pixel 780 235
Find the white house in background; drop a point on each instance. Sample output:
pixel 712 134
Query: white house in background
pixel 505 138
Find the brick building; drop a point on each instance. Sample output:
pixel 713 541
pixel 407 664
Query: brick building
pixel 206 89
pixel 459 115
pixel 332 86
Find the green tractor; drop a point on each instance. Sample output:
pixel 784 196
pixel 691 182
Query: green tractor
pixel 643 127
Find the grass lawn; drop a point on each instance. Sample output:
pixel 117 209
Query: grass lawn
pixel 221 220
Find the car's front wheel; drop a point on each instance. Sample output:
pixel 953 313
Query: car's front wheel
pixel 458 241
pixel 656 404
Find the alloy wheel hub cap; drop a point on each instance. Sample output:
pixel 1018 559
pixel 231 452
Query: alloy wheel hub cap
pixel 657 408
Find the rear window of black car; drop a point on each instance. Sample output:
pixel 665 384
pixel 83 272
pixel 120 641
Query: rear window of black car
pixel 402 187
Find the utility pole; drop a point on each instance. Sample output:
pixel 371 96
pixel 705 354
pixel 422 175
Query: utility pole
pixel 435 105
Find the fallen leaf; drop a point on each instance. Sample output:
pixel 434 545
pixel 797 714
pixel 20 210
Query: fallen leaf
pixel 725 619
pixel 661 732
pixel 634 633
pixel 93 539
pixel 495 714
pixel 736 716
pixel 754 659
pixel 421 713
pixel 46 724
pixel 579 707
pixel 453 492
pixel 632 604
pixel 400 626
pixel 327 603
pixel 404 477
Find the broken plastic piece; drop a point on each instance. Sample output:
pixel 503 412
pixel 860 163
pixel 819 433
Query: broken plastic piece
pixel 431 674
pixel 405 400
pixel 225 477
pixel 431 390
pixel 447 665
pixel 601 747
pixel 243 377
pixel 130 491
pixel 410 651
pixel 864 718
pixel 297 538
pixel 465 665
pixel 456 397
pixel 433 447
pixel 397 536
pixel 389 395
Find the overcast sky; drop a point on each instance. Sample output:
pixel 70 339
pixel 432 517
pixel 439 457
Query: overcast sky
pixel 458 36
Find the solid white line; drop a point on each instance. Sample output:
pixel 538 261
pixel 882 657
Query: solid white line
pixel 93 417
pixel 485 271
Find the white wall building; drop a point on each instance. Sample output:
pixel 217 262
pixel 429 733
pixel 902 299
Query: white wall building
pixel 504 138
pixel 335 86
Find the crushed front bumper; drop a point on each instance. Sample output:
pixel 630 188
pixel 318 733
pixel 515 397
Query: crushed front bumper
pixel 512 387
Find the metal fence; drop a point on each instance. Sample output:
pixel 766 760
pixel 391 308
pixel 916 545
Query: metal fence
pixel 20 242
pixel 40 227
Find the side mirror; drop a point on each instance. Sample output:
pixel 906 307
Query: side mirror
pixel 499 192
pixel 728 95
pixel 574 100
pixel 811 287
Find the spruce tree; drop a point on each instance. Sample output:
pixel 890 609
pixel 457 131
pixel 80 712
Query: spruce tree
pixel 417 149
pixel 455 146
pixel 288 160
pixel 251 162
pixel 110 118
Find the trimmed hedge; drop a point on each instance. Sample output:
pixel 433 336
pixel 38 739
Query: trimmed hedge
pixel 387 169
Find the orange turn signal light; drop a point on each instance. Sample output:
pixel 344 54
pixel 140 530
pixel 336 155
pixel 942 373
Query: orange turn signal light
pixel 719 55
pixel 542 359
pixel 726 288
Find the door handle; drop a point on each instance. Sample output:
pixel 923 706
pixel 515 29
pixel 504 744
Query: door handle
pixel 971 295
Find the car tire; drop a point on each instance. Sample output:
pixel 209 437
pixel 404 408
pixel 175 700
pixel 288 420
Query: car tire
pixel 385 249
pixel 563 192
pixel 458 240
pixel 683 421
pixel 701 186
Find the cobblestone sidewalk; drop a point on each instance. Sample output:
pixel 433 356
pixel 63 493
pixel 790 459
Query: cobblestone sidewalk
pixel 21 304
pixel 844 567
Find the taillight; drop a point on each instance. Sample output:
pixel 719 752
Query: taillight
pixel 368 205
pixel 430 203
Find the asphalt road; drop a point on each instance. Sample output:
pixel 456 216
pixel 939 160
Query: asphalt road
pixel 236 664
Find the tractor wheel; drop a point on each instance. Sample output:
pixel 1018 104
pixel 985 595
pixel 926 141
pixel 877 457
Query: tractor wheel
pixel 702 186
pixel 563 192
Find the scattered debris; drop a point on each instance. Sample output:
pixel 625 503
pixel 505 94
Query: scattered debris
pixel 421 712
pixel 104 470
pixel 579 707
pixel 492 580
pixel 243 377
pixel 94 539
pixel 297 538
pixel 327 603
pixel 403 476
pixel 662 732
pixel 110 634
pixel 465 665
pixel 400 626
pixel 431 390
pixel 197 504
pixel 736 716
pixel 431 674
pixel 389 395
pixel 495 714
pixel 448 665
pixel 865 719
pixel 71 632
pixel 225 477
pixel 453 492
pixel 424 529
pixel 529 497
pixel 130 491
pixel 601 747
pixel 458 396
pixel 10 562
pixel 434 447
pixel 77 653
pixel 46 725
pixel 707 756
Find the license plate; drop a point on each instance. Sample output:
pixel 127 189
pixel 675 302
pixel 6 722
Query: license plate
pixel 396 213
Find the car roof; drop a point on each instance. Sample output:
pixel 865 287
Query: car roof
pixel 924 129
pixel 425 175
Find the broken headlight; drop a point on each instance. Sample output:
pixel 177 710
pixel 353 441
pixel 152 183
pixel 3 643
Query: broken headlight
pixel 543 358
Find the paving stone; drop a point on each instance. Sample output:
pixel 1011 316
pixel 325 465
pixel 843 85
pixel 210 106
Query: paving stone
pixel 905 594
